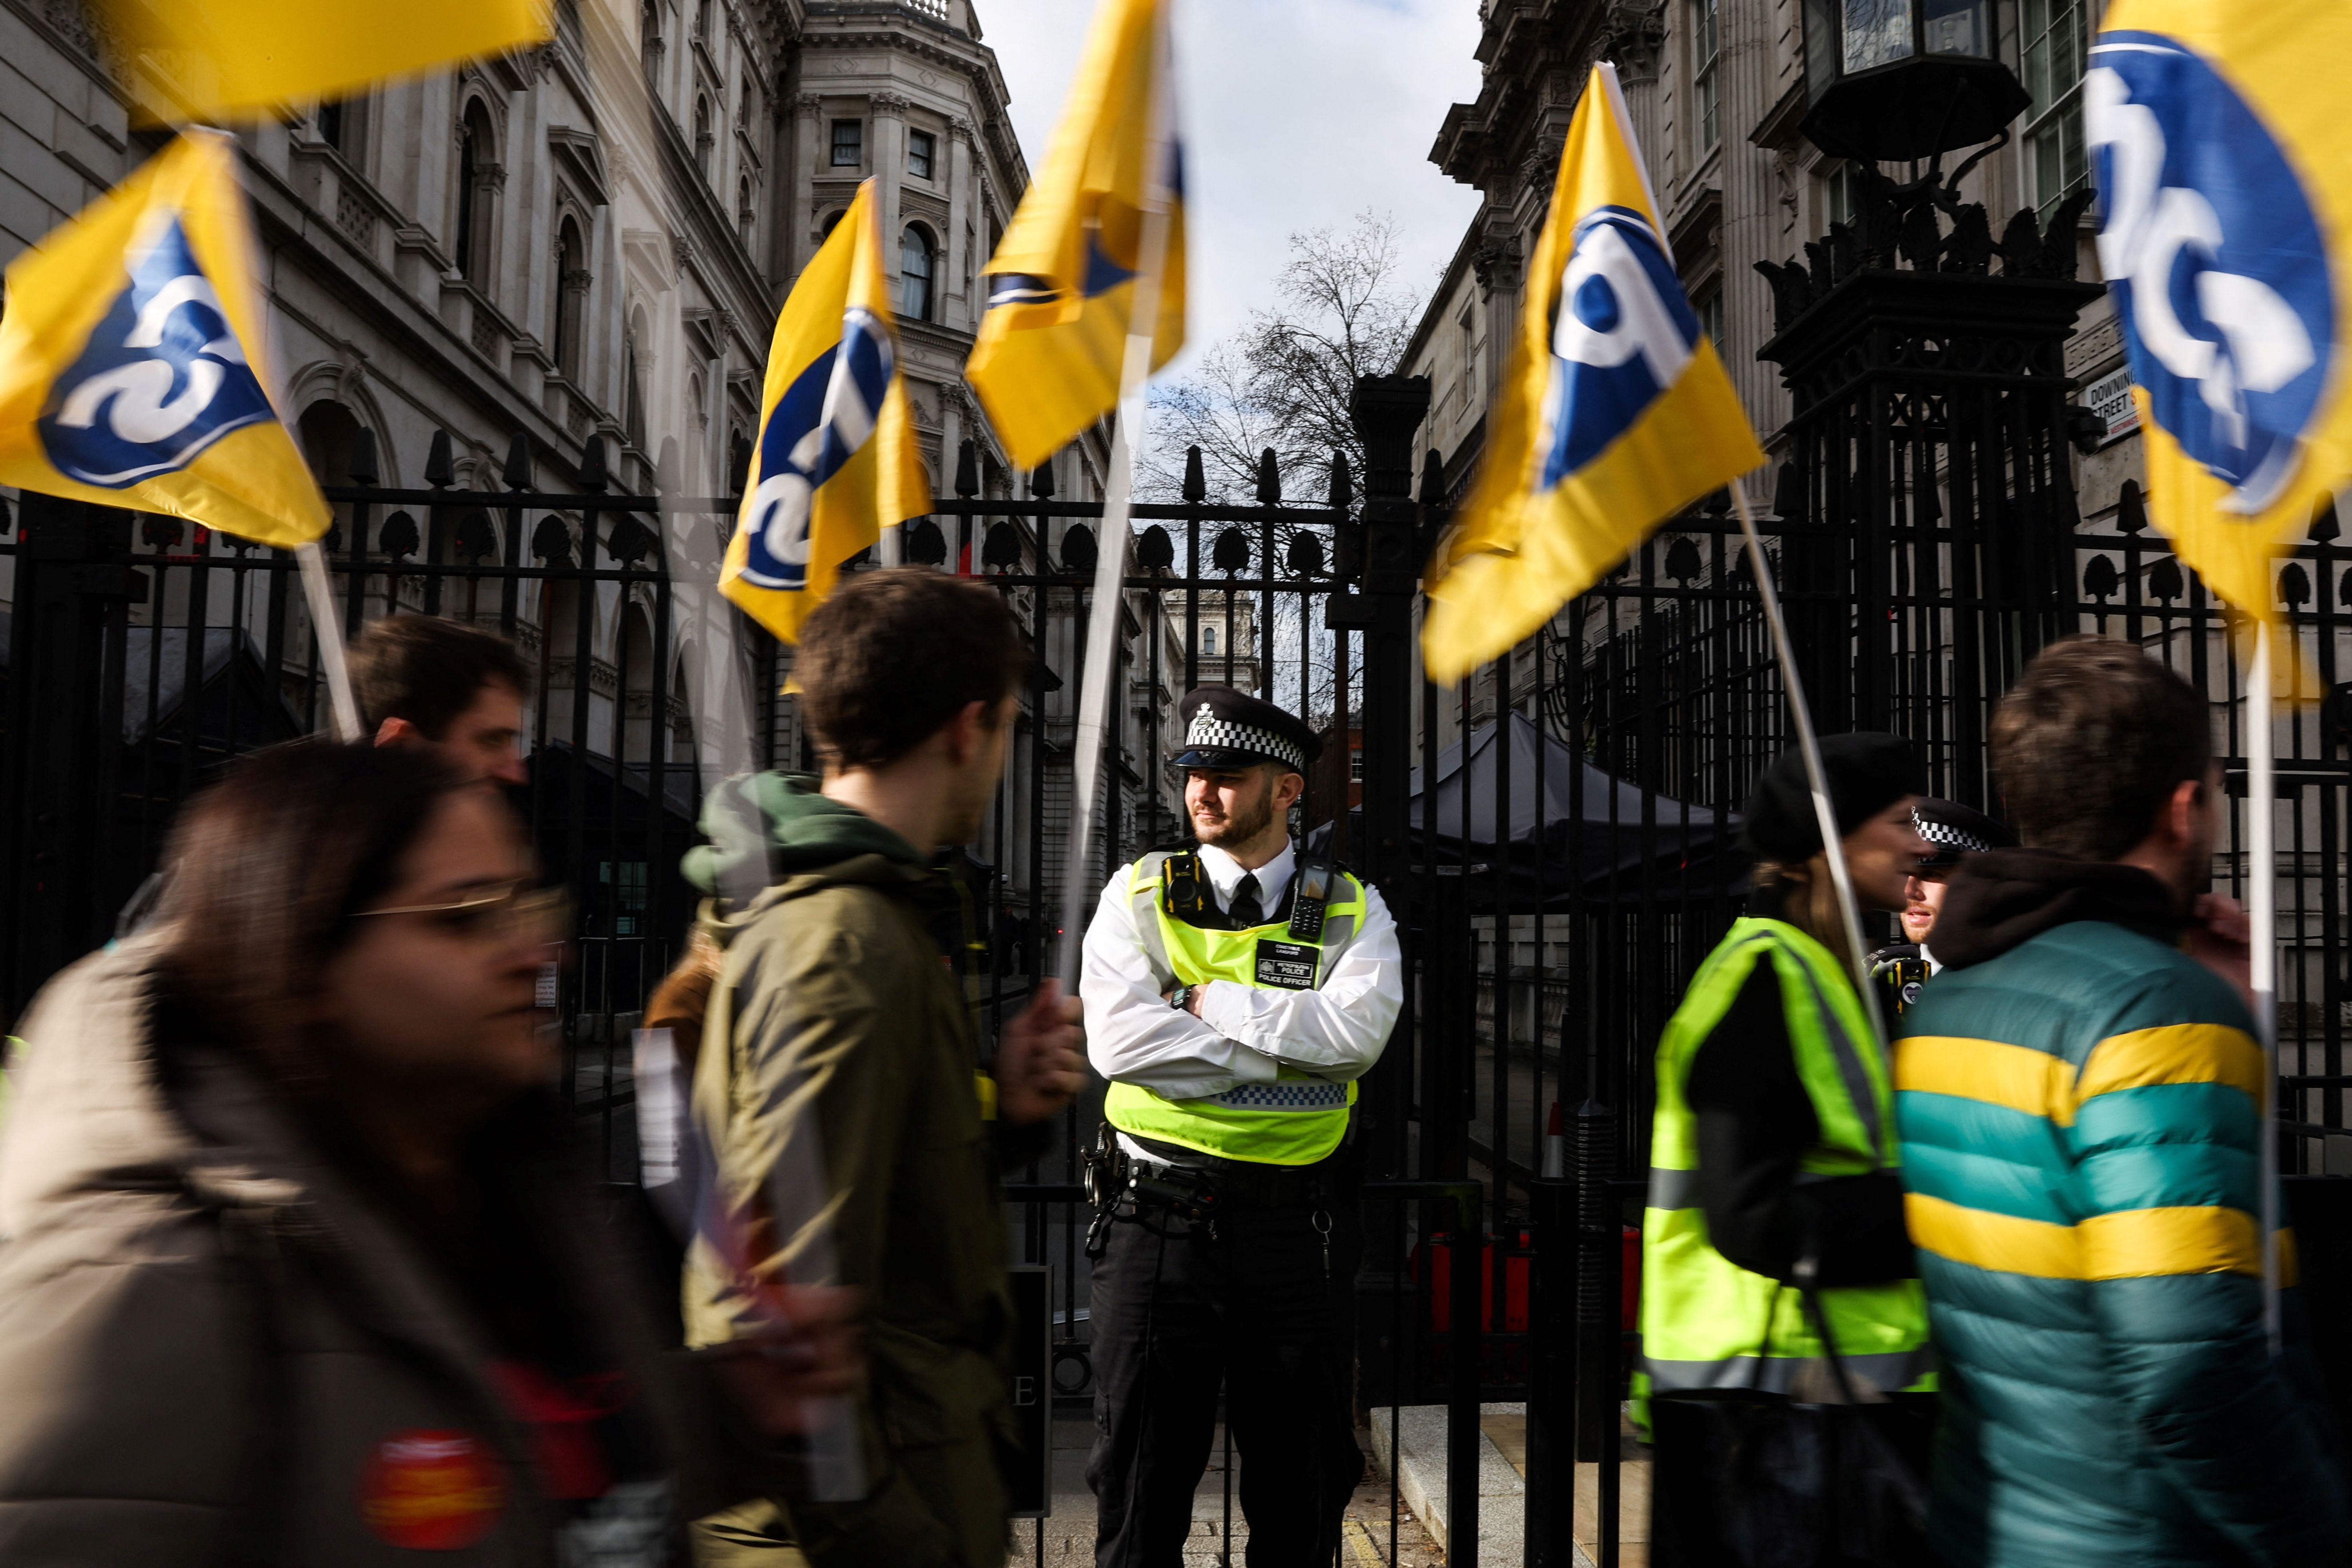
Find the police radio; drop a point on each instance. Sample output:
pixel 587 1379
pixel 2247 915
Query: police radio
pixel 1313 896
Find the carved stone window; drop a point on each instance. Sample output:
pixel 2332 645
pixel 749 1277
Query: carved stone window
pixel 1706 81
pixel 478 180
pixel 2056 38
pixel 571 281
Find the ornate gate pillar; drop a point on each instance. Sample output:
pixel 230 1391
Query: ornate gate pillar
pixel 1929 494
pixel 1388 411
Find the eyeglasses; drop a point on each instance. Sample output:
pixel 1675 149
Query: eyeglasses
pixel 513 910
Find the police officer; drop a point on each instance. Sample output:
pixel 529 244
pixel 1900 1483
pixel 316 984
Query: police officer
pixel 1235 991
pixel 1951 830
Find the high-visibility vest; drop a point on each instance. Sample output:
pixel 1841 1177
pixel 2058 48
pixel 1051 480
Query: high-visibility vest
pixel 1296 1120
pixel 1708 1324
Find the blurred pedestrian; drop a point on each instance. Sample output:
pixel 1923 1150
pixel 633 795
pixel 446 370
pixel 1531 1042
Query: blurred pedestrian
pixel 838 1043
pixel 2082 1115
pixel 1951 830
pixel 295 1268
pixel 426 681
pixel 1772 1156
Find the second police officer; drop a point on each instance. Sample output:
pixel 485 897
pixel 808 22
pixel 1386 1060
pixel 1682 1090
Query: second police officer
pixel 1951 831
pixel 1235 991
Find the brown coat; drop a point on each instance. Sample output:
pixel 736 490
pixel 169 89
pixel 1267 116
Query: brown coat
pixel 207 1339
pixel 838 1059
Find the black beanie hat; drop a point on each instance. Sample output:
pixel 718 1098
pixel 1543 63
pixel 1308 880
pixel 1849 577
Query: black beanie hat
pixel 1866 773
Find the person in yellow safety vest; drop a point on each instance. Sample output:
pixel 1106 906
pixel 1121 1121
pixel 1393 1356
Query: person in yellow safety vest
pixel 1235 991
pixel 1773 1152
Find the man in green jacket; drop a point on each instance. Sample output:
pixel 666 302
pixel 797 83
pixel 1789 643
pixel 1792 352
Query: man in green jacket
pixel 2080 1097
pixel 849 1134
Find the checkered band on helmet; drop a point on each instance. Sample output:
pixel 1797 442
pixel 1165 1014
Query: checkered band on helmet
pixel 1208 730
pixel 1944 835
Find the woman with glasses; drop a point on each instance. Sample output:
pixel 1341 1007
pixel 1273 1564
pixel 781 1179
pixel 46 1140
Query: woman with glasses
pixel 292 1266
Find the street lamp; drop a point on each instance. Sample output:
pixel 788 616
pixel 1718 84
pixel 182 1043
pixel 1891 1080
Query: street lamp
pixel 1887 80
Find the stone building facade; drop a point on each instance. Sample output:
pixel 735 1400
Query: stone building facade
pixel 590 239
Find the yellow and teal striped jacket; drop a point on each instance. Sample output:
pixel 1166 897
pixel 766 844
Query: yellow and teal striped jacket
pixel 2081 1127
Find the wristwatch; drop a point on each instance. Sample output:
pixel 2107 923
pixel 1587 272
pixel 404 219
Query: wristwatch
pixel 1180 998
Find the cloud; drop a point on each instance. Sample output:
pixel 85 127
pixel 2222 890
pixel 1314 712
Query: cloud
pixel 1296 115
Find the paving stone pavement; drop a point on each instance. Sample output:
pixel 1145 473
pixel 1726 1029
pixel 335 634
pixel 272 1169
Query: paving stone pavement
pixel 1069 1533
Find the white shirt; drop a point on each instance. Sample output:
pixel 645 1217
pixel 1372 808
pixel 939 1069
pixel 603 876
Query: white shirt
pixel 1243 1034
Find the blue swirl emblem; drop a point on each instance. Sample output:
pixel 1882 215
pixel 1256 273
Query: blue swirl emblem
pixel 2215 260
pixel 161 379
pixel 1623 335
pixel 820 421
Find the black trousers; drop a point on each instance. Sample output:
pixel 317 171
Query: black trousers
pixel 1255 1310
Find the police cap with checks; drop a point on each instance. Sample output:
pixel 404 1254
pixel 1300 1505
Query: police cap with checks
pixel 1228 729
pixel 1953 830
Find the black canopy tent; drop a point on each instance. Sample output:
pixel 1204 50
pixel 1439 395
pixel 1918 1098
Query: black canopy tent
pixel 1568 822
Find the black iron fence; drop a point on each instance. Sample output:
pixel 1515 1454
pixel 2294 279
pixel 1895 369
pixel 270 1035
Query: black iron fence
pixel 1555 835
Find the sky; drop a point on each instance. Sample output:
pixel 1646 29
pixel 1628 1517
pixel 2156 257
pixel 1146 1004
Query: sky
pixel 1298 114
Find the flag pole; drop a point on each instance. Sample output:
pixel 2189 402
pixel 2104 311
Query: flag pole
pixel 1809 745
pixel 328 632
pixel 2262 920
pixel 1119 502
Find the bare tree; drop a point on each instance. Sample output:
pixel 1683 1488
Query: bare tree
pixel 1285 379
pixel 1284 382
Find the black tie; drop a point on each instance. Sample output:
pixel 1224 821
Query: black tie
pixel 1246 912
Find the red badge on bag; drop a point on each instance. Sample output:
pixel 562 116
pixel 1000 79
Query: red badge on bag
pixel 432 1491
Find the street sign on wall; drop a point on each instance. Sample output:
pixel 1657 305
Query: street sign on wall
pixel 2110 398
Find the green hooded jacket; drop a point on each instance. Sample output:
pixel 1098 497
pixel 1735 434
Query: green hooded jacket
pixel 835 1094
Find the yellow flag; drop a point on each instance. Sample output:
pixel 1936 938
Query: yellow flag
pixel 130 365
pixel 2223 162
pixel 1614 412
pixel 836 459
pixel 207 57
pixel 1061 287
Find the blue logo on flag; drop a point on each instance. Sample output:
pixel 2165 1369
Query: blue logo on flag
pixel 820 421
pixel 161 379
pixel 2214 257
pixel 1623 335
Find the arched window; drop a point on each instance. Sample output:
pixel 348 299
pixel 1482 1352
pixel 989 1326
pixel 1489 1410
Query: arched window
pixel 916 257
pixel 329 432
pixel 702 136
pixel 572 280
pixel 832 222
pixel 1209 641
pixel 478 187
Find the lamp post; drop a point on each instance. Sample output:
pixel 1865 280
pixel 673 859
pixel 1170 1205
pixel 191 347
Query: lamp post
pixel 1893 80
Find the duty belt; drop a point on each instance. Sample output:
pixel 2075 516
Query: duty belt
pixel 1224 1185
pixel 1199 1187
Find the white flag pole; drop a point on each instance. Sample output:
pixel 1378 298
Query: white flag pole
pixel 1095 695
pixel 2262 920
pixel 1823 812
pixel 328 632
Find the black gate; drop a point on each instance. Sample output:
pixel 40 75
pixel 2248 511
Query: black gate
pixel 1556 835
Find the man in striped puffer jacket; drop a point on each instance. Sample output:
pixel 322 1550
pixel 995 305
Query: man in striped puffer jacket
pixel 2079 1099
